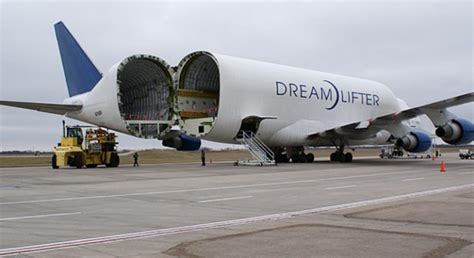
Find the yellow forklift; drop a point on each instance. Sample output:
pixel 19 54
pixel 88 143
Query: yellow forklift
pixel 96 147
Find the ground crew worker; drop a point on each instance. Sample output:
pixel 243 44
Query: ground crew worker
pixel 203 158
pixel 135 159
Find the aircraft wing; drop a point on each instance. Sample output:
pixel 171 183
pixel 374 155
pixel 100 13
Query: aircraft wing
pixel 59 109
pixel 438 106
pixel 435 111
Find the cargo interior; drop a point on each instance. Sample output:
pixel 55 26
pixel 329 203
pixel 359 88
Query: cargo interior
pixel 198 93
pixel 145 86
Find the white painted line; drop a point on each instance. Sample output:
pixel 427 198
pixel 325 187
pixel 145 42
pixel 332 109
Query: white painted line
pixel 413 179
pixel 226 199
pixel 203 189
pixel 220 224
pixel 341 187
pixel 40 216
pixel 466 173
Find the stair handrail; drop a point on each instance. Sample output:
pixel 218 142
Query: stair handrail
pixel 262 145
pixel 254 149
pixel 252 140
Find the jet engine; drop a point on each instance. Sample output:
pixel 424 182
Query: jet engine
pixel 183 142
pixel 415 142
pixel 457 131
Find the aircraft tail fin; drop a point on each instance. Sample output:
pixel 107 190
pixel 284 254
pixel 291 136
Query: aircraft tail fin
pixel 81 74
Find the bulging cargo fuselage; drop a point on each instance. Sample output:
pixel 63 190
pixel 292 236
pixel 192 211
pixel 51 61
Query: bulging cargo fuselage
pixel 213 97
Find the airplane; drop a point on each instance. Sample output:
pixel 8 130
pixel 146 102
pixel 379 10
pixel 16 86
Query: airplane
pixel 218 98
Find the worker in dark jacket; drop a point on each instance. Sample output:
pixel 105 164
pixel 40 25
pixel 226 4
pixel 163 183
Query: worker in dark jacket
pixel 203 158
pixel 135 159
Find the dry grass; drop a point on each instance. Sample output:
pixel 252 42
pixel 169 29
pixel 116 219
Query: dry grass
pixel 145 157
pixel 173 156
pixel 27 161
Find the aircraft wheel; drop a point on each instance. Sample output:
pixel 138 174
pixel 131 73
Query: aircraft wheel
pixel 296 158
pixel 302 158
pixel 310 157
pixel 341 157
pixel 348 157
pixel 280 158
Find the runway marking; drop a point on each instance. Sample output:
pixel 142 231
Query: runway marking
pixel 226 199
pixel 204 189
pixel 341 187
pixel 412 179
pixel 220 224
pixel 40 216
pixel 466 173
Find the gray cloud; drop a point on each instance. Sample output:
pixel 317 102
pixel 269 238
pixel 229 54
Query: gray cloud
pixel 421 50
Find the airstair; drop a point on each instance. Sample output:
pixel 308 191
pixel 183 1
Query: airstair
pixel 262 155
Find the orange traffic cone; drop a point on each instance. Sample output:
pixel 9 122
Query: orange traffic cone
pixel 442 167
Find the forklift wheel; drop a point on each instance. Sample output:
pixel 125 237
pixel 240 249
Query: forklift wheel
pixel 78 161
pixel 54 164
pixel 114 161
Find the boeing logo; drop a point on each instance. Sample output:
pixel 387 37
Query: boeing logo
pixel 329 93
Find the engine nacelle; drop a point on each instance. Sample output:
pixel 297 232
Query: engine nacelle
pixel 183 142
pixel 458 131
pixel 415 142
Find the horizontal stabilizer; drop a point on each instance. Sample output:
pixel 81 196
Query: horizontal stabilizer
pixel 59 109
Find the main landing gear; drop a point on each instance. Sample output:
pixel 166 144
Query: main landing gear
pixel 340 156
pixel 295 154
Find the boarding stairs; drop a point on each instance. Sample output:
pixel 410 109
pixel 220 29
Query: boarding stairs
pixel 262 155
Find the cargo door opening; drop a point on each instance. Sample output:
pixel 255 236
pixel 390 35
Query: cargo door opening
pixel 249 125
pixel 145 88
pixel 198 93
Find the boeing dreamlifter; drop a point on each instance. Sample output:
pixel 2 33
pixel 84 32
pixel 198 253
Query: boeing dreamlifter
pixel 219 98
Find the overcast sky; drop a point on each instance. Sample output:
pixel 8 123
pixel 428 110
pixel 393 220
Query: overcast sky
pixel 422 50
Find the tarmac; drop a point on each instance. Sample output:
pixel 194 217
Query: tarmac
pixel 368 208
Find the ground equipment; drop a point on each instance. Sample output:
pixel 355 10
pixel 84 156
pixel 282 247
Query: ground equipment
pixel 76 149
pixel 466 154
pixel 391 152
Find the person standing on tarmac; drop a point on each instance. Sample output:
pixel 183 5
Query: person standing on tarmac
pixel 203 157
pixel 135 160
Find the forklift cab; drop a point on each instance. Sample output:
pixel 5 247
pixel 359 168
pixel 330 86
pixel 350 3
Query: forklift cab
pixel 75 132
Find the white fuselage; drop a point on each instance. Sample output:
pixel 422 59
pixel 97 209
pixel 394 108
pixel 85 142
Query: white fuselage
pixel 293 102
pixel 302 101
